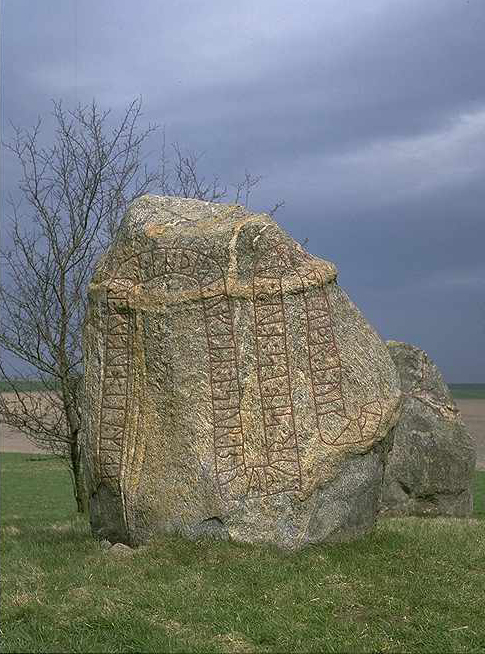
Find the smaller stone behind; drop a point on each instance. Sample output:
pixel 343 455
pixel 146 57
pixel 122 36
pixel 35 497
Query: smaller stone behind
pixel 430 467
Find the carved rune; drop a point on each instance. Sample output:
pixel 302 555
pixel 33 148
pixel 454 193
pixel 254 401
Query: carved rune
pixel 281 472
pixel 326 374
pixel 118 347
pixel 277 469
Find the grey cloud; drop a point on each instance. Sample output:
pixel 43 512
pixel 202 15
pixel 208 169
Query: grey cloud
pixel 355 113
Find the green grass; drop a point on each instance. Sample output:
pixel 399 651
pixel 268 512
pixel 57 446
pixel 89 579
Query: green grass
pixel 479 494
pixel 468 391
pixel 414 585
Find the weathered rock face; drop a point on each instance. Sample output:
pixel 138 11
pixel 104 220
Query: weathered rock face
pixel 430 467
pixel 232 388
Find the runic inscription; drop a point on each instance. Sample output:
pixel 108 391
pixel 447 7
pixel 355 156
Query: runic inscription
pixel 326 374
pixel 281 472
pixel 115 386
pixel 239 473
pixel 224 380
pixel 226 398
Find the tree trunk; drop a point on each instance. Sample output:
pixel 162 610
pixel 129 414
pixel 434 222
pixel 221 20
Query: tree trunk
pixel 80 493
pixel 72 410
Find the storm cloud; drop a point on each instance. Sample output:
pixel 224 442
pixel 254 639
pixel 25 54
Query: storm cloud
pixel 367 118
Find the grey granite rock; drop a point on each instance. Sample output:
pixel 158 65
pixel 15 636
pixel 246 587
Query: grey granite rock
pixel 232 388
pixel 430 467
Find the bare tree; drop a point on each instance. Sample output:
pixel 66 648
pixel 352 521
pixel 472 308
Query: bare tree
pixel 76 191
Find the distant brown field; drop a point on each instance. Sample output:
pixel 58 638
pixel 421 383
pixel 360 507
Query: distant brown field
pixel 473 413
pixel 11 440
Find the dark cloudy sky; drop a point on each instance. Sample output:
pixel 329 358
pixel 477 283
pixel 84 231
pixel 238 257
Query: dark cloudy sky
pixel 367 117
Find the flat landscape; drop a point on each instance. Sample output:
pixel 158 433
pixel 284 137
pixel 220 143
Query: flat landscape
pixel 472 411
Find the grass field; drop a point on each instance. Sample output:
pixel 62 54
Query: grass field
pixel 414 585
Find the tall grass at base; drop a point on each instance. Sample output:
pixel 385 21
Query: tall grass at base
pixel 413 585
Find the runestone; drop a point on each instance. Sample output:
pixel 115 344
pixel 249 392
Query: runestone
pixel 232 388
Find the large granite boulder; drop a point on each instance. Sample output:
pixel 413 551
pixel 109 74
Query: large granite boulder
pixel 232 388
pixel 431 464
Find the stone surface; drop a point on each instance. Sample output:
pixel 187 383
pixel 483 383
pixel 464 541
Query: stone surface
pixel 430 467
pixel 232 388
pixel 120 549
